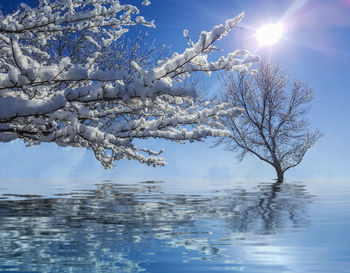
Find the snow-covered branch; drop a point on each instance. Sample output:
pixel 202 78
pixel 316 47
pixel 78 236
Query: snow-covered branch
pixel 60 81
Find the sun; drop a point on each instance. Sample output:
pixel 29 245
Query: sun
pixel 269 34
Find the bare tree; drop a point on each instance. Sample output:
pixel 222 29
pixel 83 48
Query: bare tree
pixel 273 125
pixel 64 78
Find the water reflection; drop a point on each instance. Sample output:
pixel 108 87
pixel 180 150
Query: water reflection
pixel 133 228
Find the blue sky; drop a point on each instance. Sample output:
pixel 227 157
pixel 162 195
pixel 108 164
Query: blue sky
pixel 314 49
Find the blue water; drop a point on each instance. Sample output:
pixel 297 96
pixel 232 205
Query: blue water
pixel 174 226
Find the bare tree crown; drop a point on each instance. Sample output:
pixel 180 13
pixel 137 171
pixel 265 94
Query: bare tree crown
pixel 273 126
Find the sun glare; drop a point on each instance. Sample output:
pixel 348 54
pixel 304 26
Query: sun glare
pixel 269 34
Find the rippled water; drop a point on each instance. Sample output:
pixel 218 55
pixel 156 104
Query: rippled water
pixel 174 226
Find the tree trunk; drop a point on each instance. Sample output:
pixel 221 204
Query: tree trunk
pixel 280 176
pixel 280 173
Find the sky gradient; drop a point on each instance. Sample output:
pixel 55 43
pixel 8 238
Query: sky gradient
pixel 314 49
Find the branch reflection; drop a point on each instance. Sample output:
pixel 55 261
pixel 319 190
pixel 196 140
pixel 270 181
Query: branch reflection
pixel 124 227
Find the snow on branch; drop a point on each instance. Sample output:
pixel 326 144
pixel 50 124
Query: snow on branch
pixel 62 81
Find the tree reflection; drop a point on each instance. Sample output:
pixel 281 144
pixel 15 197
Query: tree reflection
pixel 124 227
pixel 268 209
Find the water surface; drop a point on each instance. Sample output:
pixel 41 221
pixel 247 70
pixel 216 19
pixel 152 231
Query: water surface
pixel 174 226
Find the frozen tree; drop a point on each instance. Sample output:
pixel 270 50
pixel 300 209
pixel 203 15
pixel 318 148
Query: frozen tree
pixel 273 125
pixel 64 79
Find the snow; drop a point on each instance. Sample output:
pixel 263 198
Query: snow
pixel 146 3
pixel 93 103
pixel 185 32
pixel 14 107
